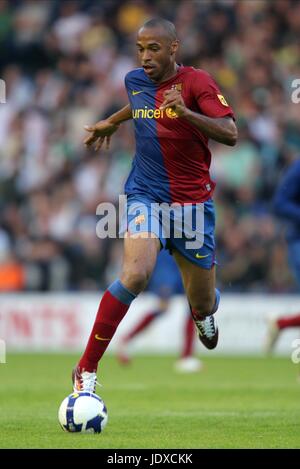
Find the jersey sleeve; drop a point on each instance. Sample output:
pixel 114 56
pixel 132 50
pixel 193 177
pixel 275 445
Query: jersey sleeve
pixel 209 98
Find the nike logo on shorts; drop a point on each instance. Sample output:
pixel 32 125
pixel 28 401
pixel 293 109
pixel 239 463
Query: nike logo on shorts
pixel 198 256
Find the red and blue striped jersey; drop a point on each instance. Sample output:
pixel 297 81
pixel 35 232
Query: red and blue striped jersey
pixel 172 158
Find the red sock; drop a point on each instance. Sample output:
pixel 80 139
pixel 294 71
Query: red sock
pixel 110 313
pixel 141 325
pixel 290 321
pixel 189 334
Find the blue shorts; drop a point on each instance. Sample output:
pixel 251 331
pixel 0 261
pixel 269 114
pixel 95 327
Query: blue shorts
pixel 187 228
pixel 165 280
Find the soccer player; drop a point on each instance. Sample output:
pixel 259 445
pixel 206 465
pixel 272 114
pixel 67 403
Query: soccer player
pixel 165 282
pixel 287 207
pixel 176 110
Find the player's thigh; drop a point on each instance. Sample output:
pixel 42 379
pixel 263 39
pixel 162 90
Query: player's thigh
pixel 199 283
pixel 140 253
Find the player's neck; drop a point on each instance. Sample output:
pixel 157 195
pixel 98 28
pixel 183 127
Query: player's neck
pixel 170 73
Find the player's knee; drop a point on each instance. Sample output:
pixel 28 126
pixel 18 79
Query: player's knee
pixel 135 279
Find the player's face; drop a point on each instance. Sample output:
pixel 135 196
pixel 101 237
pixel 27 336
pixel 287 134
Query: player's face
pixel 156 52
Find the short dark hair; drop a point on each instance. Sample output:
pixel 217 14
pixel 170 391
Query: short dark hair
pixel 166 25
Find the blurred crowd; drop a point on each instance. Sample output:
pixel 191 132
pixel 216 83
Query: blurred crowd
pixel 64 62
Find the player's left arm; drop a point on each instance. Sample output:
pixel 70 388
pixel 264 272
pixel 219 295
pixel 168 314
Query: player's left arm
pixel 221 129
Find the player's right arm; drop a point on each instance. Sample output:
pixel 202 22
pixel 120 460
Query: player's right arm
pixel 103 130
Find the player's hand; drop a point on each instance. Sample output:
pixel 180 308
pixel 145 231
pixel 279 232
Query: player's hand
pixel 174 100
pixel 100 133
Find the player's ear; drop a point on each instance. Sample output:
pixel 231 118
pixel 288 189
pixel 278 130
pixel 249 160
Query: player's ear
pixel 174 47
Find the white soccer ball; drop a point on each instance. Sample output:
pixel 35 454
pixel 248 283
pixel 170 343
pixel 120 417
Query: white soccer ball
pixel 82 412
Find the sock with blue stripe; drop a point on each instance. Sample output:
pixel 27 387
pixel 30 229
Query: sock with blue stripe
pixel 113 307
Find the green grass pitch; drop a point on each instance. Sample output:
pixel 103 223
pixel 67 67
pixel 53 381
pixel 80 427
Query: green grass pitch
pixel 233 403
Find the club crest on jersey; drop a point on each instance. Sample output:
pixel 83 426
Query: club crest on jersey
pixel 139 219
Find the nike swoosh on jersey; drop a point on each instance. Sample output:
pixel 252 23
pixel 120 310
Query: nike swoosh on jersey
pixel 136 92
pixel 198 256
pixel 97 337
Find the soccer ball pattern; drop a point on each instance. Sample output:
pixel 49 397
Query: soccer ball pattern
pixel 82 412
